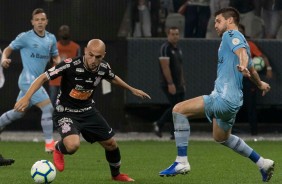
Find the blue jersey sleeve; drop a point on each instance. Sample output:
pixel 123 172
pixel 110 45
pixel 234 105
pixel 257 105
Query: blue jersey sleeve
pixel 54 50
pixel 19 42
pixel 234 39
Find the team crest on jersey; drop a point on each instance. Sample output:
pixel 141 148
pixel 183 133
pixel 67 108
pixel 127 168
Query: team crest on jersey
pixel 68 60
pixel 235 41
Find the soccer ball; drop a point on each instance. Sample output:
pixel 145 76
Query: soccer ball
pixel 43 171
pixel 258 63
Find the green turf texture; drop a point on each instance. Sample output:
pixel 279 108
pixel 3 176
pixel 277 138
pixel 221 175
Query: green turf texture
pixel 210 162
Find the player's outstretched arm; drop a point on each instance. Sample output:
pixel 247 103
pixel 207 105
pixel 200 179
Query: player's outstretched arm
pixel 136 92
pixel 265 87
pixel 23 103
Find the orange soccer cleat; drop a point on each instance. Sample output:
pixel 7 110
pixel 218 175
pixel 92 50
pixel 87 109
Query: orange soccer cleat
pixel 58 159
pixel 49 148
pixel 123 178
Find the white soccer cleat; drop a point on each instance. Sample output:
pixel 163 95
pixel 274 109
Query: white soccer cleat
pixel 267 170
pixel 176 168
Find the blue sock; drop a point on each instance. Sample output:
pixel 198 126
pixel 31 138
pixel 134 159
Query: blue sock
pixel 182 151
pixel 254 156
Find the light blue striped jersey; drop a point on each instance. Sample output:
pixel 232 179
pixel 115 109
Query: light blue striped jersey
pixel 229 80
pixel 36 52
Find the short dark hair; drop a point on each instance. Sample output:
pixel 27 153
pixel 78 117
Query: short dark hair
pixel 171 28
pixel 37 11
pixel 229 12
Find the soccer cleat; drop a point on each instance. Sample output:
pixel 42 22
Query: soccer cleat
pixel 267 170
pixel 5 161
pixel 58 159
pixel 176 168
pixel 157 129
pixel 123 178
pixel 49 148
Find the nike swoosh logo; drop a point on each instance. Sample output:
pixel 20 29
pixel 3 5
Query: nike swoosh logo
pixel 78 78
pixel 110 131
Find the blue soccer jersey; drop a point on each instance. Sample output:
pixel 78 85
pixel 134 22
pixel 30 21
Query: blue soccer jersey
pixel 229 80
pixel 36 52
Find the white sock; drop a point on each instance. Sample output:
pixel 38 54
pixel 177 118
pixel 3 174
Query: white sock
pixel 260 162
pixel 182 159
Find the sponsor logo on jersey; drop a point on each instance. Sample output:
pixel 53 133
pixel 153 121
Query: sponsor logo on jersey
pixel 103 65
pixel 59 69
pixel 97 81
pixel 89 80
pixel 60 108
pixel 101 73
pixel 76 78
pixel 68 60
pixel 79 87
pixel 51 69
pixel 39 56
pixel 81 70
pixel 77 62
pixel 54 72
pixel 111 74
pixel 35 45
pixel 81 94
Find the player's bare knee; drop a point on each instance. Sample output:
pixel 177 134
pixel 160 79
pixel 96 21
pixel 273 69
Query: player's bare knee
pixel 177 108
pixel 219 139
pixel 109 144
pixel 72 148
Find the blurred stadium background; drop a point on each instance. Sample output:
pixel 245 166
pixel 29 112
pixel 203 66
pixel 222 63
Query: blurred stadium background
pixel 133 59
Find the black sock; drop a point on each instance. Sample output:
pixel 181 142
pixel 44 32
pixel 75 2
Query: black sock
pixel 113 157
pixel 61 147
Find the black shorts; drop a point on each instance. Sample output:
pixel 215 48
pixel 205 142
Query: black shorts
pixel 91 124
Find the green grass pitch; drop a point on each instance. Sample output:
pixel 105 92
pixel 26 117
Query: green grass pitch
pixel 210 162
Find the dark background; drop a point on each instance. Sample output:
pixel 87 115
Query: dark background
pixel 134 60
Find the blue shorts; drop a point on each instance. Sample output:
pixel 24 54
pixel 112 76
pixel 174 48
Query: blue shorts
pixel 223 111
pixel 39 96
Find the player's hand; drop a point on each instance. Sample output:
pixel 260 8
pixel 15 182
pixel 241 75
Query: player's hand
pixel 171 89
pixel 265 87
pixel 140 93
pixel 244 71
pixel 21 105
pixel 6 63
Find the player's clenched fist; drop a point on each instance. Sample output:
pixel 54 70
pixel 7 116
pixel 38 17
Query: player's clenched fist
pixel 5 63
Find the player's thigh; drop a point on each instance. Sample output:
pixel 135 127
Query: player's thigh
pixel 192 108
pixel 219 134
pixel 95 128
pixel 220 111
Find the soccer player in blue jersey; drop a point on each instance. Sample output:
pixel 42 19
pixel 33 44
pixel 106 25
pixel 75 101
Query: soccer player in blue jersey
pixel 36 47
pixel 222 105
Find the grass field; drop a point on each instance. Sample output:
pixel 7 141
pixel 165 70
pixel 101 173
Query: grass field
pixel 211 163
